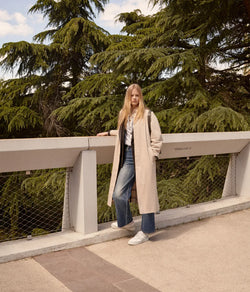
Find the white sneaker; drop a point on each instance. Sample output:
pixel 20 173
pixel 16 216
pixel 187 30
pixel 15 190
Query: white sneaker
pixel 140 237
pixel 129 227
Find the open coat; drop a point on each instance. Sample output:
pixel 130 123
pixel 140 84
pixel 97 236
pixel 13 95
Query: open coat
pixel 146 151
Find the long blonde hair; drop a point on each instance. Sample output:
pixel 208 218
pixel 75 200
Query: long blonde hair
pixel 127 108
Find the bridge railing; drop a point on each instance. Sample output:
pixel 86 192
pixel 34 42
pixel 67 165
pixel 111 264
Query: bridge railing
pixel 80 156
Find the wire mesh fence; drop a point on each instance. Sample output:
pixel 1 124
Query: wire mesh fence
pixel 187 181
pixel 31 203
pixel 180 182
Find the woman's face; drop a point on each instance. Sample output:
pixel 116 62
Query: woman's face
pixel 135 97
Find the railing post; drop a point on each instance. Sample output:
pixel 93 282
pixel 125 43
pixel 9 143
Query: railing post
pixel 243 172
pixel 83 193
pixel 65 217
pixel 230 181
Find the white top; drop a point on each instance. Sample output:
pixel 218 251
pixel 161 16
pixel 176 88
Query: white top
pixel 129 130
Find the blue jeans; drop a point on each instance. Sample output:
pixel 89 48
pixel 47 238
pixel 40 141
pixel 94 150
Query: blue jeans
pixel 122 194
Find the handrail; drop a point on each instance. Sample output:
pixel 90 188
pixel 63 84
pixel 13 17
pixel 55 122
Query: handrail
pixel 44 153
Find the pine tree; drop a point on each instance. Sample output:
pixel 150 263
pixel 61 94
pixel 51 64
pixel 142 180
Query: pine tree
pixel 191 59
pixel 173 55
pixel 176 56
pixel 48 71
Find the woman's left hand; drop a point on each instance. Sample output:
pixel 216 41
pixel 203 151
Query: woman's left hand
pixel 102 134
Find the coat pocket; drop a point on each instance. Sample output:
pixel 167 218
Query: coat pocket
pixel 151 153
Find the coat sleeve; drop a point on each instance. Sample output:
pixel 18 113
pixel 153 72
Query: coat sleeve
pixel 113 132
pixel 156 137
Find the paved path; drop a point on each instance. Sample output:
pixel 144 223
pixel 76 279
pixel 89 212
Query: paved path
pixel 205 256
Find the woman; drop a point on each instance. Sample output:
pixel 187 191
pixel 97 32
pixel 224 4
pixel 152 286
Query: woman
pixel 138 145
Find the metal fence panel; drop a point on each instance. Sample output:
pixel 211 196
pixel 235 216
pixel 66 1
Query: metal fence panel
pixel 31 203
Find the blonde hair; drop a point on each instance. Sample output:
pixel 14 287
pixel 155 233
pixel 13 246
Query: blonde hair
pixel 127 108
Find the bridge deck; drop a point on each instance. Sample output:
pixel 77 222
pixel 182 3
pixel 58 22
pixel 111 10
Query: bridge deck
pixel 207 255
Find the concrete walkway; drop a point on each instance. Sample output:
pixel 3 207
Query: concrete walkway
pixel 209 255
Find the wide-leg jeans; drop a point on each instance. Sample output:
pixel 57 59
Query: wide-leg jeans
pixel 122 194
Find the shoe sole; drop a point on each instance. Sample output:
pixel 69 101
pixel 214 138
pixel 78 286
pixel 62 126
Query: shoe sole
pixel 136 243
pixel 128 229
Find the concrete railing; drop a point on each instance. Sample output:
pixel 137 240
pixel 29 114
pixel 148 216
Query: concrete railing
pixel 82 154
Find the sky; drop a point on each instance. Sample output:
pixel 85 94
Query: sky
pixel 16 24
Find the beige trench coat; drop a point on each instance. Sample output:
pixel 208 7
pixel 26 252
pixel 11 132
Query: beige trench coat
pixel 146 152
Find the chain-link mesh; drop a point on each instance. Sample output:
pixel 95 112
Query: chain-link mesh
pixel 31 203
pixel 180 182
pixel 193 180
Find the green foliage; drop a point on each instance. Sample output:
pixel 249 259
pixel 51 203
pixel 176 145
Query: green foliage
pixel 28 57
pixel 11 205
pixel 103 177
pixel 171 193
pixel 38 231
pixel 172 54
pixel 90 33
pixel 31 204
pixel 19 118
pixel 93 104
pixel 205 178
pixel 221 119
pixel 59 65
pixel 43 180
pixel 61 12
pixel 18 112
pixel 191 58
pixel 183 182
